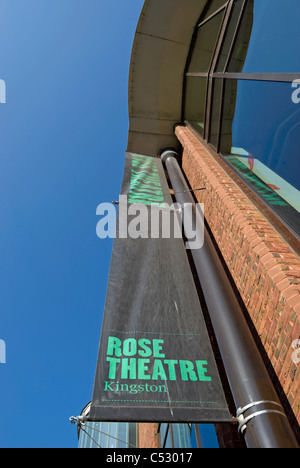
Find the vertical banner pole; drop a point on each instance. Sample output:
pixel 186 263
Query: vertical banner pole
pixel 155 361
pixel 261 416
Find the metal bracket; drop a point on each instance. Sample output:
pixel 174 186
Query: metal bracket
pixel 77 421
pixel 243 421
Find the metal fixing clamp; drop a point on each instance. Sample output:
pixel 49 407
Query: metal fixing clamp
pixel 243 421
pixel 79 421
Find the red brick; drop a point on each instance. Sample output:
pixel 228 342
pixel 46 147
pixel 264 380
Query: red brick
pixel 266 271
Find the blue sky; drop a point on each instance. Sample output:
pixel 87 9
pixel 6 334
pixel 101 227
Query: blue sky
pixel 63 133
pixel 63 139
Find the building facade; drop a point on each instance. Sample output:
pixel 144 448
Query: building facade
pixel 106 435
pixel 116 435
pixel 214 89
pixel 219 82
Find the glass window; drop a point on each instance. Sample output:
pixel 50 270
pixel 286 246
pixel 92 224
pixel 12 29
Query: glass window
pixel 208 436
pixel 227 44
pixel 175 436
pixel 122 435
pixel 182 436
pixel 195 96
pixel 273 28
pixel 104 440
pixel 215 113
pixel 90 436
pixel 260 138
pixel 254 121
pixel 163 431
pixel 165 436
pixel 205 45
pixel 215 5
pixel 240 49
pixel 132 434
pixel 107 435
pixel 112 441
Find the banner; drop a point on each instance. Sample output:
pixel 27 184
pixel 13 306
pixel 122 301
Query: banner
pixel 155 360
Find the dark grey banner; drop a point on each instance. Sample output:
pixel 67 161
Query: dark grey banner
pixel 155 359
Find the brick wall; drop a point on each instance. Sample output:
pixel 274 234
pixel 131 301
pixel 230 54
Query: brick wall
pixel 147 435
pixel 264 268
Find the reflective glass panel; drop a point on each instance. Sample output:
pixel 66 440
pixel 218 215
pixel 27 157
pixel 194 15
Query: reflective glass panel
pixel 268 39
pixel 208 436
pixel 103 439
pixel 241 44
pixel 112 441
pixel 227 44
pixel 260 138
pixel 132 434
pixel 214 6
pixel 215 113
pixel 107 435
pixel 122 435
pixel 182 436
pixel 195 95
pixel 165 434
pixel 205 45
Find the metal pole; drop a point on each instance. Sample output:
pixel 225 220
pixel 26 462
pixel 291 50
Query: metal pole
pixel 260 414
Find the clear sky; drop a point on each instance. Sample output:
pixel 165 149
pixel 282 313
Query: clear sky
pixel 63 133
pixel 63 140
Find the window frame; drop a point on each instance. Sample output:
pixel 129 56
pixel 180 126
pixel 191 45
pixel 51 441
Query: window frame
pixel 212 75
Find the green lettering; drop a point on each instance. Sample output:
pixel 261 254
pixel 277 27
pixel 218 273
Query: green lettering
pixel 162 388
pixel 108 387
pixel 158 370
pixel 129 347
pixel 157 347
pixel 202 371
pixel 114 346
pixel 187 371
pixel 133 389
pixel 142 368
pixel 171 365
pixel 112 366
pixel 128 368
pixel 146 350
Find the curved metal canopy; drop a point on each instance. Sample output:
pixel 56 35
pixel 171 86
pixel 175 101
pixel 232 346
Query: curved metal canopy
pixel 160 50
